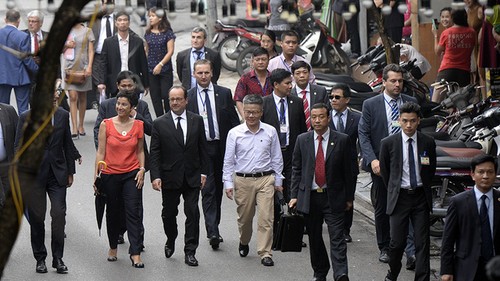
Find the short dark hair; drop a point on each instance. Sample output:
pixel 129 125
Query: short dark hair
pixel 202 61
pixel 125 74
pixel 391 67
pixel 259 51
pixel 122 13
pixel 321 105
pixel 12 16
pixel 346 90
pixel 459 17
pixel 445 9
pixel 410 107
pixel 253 99
pixel 483 158
pixel 179 87
pixel 290 33
pixel 300 63
pixel 270 34
pixel 278 75
pixel 132 98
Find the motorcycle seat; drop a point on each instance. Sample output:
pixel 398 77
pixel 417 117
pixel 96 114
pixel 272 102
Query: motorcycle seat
pixel 453 162
pixel 253 29
pixel 457 152
pixel 250 23
pixel 458 144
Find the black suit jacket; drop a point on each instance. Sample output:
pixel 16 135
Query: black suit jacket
pixel 372 128
pixel 296 118
pixel 60 151
pixel 338 171
pixel 110 62
pixel 183 64
pixel 461 246
pixel 96 29
pixel 391 166
pixel 318 94
pixel 171 160
pixel 227 118
pixel 8 121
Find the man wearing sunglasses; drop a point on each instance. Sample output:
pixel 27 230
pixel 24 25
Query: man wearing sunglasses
pixel 345 120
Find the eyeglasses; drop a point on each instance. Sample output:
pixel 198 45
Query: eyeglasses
pixel 335 97
pixel 252 113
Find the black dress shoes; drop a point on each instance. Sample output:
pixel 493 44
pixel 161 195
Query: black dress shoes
pixel 410 263
pixel 318 278
pixel 169 250
pixel 347 238
pixel 191 260
pixel 343 277
pixel 214 242
pixel 267 261
pixel 41 267
pixel 121 239
pixel 389 277
pixel 384 257
pixel 59 265
pixel 243 250
pixel 220 239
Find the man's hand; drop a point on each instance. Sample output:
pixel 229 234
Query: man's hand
pixel 376 167
pixel 229 193
pixel 146 91
pixel 157 184
pixel 203 181
pixel 101 87
pixel 70 180
pixel 292 203
pixel 133 113
pixel 447 277
pixel 348 205
pixel 278 188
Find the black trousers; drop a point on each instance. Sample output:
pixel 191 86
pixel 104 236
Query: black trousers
pixel 410 207
pixel 4 182
pixel 287 173
pixel 211 194
pixel 37 207
pixel 171 201
pixel 122 195
pixel 348 215
pixel 382 226
pixel 158 88
pixel 320 212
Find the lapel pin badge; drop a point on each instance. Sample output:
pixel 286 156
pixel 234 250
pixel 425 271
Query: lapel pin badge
pixel 291 101
pixel 331 143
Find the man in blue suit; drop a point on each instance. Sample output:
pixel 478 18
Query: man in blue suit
pixel 13 70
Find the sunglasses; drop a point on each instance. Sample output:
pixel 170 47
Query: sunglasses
pixel 335 97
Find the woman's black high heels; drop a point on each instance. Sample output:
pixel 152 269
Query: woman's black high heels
pixel 136 265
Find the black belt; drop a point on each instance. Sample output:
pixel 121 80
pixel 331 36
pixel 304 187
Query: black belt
pixel 413 191
pixel 319 190
pixel 255 175
pixel 284 148
pixel 213 141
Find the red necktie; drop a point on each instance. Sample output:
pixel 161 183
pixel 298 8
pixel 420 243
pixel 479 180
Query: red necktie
pixel 307 112
pixel 319 171
pixel 36 43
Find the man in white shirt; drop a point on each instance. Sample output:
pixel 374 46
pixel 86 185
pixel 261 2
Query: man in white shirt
pixel 37 35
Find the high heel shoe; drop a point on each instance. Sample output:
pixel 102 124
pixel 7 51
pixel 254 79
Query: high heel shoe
pixel 111 257
pixel 136 265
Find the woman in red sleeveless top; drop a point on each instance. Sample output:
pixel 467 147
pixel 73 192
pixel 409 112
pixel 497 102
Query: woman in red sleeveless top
pixel 121 146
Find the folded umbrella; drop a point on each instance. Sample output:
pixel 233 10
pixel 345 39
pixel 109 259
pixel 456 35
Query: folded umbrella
pixel 100 196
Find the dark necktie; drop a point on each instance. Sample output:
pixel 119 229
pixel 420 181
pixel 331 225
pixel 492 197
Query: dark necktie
pixel 179 129
pixel 36 43
pixel 319 170
pixel 108 27
pixel 211 129
pixel 486 240
pixel 198 54
pixel 307 112
pixel 340 122
pixel 282 123
pixel 394 117
pixel 411 164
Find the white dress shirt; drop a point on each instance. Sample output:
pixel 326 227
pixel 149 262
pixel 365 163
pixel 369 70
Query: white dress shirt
pixel 40 38
pixel 124 45
pixel 405 176
pixel 388 109
pixel 203 110
pixel 335 118
pixel 298 90
pixel 183 122
pixel 488 202
pixel 102 34
pixel 277 103
pixel 248 152
pixel 192 60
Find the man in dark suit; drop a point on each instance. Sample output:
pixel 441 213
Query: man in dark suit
pixel 215 104
pixel 37 35
pixel 309 93
pixel 323 198
pixel 345 120
pixel 471 237
pixel 186 58
pixel 378 120
pixel 14 71
pixel 8 123
pixel 179 166
pixel 55 175
pixel 407 166
pixel 124 47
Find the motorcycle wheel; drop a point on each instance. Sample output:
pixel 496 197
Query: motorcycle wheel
pixel 226 48
pixel 337 60
pixel 244 61
pixel 437 223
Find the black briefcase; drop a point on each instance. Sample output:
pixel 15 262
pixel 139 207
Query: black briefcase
pixel 288 237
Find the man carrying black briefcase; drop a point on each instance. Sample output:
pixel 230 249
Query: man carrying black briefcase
pixel 319 153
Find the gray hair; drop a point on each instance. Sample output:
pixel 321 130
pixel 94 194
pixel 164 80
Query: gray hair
pixel 36 14
pixel 253 99
pixel 200 29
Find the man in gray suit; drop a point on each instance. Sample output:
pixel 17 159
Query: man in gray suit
pixel 320 198
pixel 373 127
pixel 309 93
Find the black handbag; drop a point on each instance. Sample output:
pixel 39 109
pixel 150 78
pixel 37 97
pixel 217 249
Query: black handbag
pixel 288 237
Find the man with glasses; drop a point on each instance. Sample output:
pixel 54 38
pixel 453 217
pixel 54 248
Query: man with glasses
pixel 379 119
pixel 345 120
pixel 256 81
pixel 253 152
pixel 37 35
pixel 179 166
